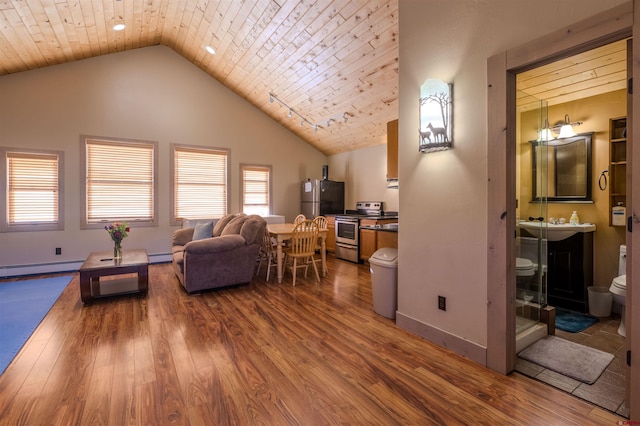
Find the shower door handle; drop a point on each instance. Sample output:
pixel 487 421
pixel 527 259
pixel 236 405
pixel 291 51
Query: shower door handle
pixel 539 219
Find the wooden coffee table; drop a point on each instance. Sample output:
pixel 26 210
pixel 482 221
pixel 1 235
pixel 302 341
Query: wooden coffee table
pixel 101 264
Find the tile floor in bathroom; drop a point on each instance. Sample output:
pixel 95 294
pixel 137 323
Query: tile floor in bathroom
pixel 608 391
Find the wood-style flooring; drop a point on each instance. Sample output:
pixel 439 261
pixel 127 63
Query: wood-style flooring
pixel 266 353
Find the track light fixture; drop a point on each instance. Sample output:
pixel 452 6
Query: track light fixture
pixel 344 116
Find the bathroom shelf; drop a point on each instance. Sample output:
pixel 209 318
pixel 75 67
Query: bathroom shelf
pixel 617 163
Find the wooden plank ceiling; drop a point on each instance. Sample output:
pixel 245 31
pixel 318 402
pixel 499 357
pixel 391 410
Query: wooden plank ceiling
pixel 591 73
pixel 325 59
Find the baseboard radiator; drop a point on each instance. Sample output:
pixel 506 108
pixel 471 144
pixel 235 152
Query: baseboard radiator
pixel 57 267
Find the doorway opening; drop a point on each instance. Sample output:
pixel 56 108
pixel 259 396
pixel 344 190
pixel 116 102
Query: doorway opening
pixel 556 176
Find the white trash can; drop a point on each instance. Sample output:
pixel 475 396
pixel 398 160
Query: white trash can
pixel 599 301
pixel 384 281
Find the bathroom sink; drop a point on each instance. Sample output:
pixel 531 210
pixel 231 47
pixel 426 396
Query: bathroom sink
pixel 556 232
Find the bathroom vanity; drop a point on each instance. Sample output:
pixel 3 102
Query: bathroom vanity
pixel 569 263
pixel 570 271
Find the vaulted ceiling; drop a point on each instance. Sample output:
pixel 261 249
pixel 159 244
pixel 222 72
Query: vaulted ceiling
pixel 328 60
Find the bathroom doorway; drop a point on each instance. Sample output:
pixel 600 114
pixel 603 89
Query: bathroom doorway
pixel 607 27
pixel 549 191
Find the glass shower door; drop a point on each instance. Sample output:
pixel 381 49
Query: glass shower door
pixel 531 229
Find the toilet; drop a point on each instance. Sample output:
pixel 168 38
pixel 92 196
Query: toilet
pixel 525 267
pixel 527 256
pixel 618 288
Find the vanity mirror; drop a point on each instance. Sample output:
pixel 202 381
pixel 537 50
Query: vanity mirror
pixel 565 166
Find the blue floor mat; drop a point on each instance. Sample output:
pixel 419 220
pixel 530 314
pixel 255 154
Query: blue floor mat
pixel 573 322
pixel 23 305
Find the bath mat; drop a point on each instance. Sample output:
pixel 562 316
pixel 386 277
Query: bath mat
pixel 573 322
pixel 568 358
pixel 23 305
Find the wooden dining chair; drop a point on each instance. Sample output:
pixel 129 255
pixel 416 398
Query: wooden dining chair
pixel 299 218
pixel 303 248
pixel 321 221
pixel 267 254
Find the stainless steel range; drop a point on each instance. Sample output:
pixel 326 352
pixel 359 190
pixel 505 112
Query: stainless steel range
pixel 348 229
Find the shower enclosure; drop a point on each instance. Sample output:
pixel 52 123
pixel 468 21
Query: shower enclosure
pixel 531 250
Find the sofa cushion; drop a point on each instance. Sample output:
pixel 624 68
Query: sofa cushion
pixel 253 229
pixel 203 230
pixel 178 257
pixel 221 223
pixel 234 226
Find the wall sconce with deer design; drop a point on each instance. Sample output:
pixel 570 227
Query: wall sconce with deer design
pixel 436 116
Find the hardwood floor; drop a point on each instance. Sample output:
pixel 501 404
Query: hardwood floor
pixel 259 354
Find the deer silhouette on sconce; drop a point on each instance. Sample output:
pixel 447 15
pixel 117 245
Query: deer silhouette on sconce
pixel 425 135
pixel 439 133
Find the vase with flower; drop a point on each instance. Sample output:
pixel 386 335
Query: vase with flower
pixel 118 232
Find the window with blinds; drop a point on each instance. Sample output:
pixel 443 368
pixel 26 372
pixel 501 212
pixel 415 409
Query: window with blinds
pixel 200 181
pixel 256 189
pixel 33 190
pixel 120 182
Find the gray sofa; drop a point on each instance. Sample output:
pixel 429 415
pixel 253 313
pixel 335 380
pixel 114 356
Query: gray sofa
pixel 226 258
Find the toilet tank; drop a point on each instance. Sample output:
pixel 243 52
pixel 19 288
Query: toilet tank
pixel 622 263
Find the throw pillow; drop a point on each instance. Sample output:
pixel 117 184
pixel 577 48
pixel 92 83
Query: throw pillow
pixel 203 230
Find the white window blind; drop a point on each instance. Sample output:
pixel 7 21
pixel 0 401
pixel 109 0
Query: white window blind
pixel 119 181
pixel 33 188
pixel 200 183
pixel 255 189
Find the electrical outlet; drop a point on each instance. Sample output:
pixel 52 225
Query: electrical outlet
pixel 442 303
pixel 58 251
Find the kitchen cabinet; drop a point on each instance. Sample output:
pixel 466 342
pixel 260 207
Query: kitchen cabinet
pixel 392 150
pixel 617 164
pixel 387 239
pixel 331 234
pixel 371 239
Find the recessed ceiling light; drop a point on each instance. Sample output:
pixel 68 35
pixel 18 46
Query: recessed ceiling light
pixel 119 27
pixel 211 50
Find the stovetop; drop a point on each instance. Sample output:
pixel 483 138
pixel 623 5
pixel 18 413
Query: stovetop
pixel 355 214
pixel 368 210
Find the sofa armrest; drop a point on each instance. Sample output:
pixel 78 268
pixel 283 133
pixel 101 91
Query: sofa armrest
pixel 182 236
pixel 214 244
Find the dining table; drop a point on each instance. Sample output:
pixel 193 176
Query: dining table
pixel 282 232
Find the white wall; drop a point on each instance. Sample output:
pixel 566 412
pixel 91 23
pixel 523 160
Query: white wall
pixel 365 171
pixel 150 94
pixel 443 195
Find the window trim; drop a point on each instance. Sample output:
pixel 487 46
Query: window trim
pixel 270 183
pixel 172 175
pixel 4 192
pixel 84 223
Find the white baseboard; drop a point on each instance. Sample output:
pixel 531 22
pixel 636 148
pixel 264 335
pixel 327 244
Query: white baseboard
pixel 443 338
pixel 55 267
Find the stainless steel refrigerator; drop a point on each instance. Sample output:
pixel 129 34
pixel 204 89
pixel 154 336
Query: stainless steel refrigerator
pixel 322 197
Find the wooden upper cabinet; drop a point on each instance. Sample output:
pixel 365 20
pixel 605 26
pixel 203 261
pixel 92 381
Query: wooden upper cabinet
pixel 392 149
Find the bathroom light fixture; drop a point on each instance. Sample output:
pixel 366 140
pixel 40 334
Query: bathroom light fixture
pixel 291 112
pixel 545 134
pixel 566 127
pixel 211 50
pixel 119 27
